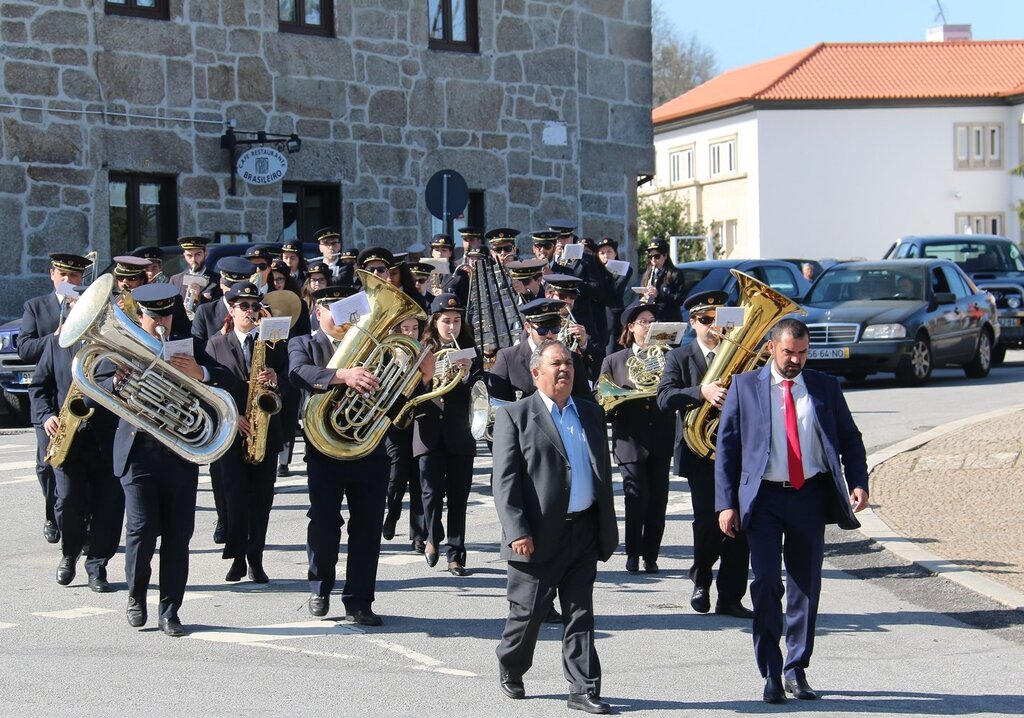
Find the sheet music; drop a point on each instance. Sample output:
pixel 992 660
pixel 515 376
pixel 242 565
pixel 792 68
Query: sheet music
pixel 178 346
pixel 350 309
pixel 618 267
pixel 275 329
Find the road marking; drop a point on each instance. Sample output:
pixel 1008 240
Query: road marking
pixel 155 599
pixel 24 480
pixel 306 651
pixel 17 465
pixel 83 612
pixel 7 625
pixel 277 632
pixel 426 663
pixel 397 559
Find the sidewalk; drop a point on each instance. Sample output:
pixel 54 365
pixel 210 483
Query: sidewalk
pixel 955 503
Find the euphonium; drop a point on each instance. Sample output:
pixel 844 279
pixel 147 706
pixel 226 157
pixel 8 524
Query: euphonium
pixel 342 423
pixel 195 421
pixel 71 415
pixel 736 353
pixel 645 370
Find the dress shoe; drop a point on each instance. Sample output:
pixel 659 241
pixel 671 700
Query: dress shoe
pixel 700 601
pixel 736 610
pixel 318 605
pixel 554 617
pixel 388 531
pixel 85 549
pixel 99 584
pixel 773 692
pixel 66 570
pixel 632 564
pixel 136 613
pixel 511 686
pixel 283 470
pixel 172 627
pixel 797 685
pixel 589 703
pixel 50 532
pixel 419 546
pixel 218 533
pixel 364 617
pixel 430 554
pixel 237 570
pixel 257 574
pixel 457 569
pixel 651 566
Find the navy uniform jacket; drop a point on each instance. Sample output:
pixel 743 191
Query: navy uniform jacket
pixel 208 320
pixel 744 441
pixel 511 372
pixel 670 293
pixel 446 420
pixel 226 351
pixel 40 320
pixel 596 291
pixel 639 428
pixel 51 380
pixel 679 391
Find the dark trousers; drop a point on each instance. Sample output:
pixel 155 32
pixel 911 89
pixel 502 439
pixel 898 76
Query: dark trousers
pixel 531 591
pixel 290 406
pixel 645 484
pixel 786 526
pixel 45 475
pixel 446 475
pixel 160 500
pixel 363 485
pixel 710 544
pixel 404 472
pixel 90 503
pixel 248 499
pixel 217 487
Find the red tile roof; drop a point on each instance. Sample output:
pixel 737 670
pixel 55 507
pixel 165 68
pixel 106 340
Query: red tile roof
pixel 863 71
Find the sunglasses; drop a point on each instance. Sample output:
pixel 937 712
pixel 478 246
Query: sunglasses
pixel 260 266
pixel 504 250
pixel 246 306
pixel 655 255
pixel 544 331
pixel 422 280
pixel 706 319
pixel 376 270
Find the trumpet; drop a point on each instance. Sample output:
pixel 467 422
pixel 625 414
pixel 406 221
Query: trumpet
pixel 571 341
pixel 445 370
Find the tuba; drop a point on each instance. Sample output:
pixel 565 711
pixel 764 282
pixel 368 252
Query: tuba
pixel 71 415
pixel 645 370
pixel 763 306
pixel 342 423
pixel 481 411
pixel 195 421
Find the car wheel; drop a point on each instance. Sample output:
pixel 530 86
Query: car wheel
pixel 980 365
pixel 917 369
pixel 998 354
pixel 18 404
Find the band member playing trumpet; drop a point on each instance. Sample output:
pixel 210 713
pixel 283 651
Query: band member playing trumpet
pixel 129 273
pixel 661 282
pixel 442 442
pixel 249 487
pixel 642 440
pixel 362 482
pixel 577 329
pixel 193 251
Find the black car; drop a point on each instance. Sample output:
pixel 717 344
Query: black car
pixel 994 263
pixel 780 275
pixel 901 316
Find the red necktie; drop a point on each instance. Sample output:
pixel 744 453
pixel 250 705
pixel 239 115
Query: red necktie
pixel 796 465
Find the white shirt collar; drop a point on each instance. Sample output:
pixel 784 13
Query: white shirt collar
pixel 777 378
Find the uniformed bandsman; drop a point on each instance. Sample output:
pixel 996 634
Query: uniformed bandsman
pixel 155 270
pixel 292 255
pixel 260 255
pixel 608 249
pixel 193 251
pixel 526 278
pixel 579 324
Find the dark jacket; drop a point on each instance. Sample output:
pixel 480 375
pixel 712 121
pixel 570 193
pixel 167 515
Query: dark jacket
pixel 639 428
pixel 208 320
pixel 679 391
pixel 40 320
pixel 445 421
pixel 511 373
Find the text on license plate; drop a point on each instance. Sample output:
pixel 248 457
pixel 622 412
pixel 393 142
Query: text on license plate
pixel 1009 322
pixel 828 353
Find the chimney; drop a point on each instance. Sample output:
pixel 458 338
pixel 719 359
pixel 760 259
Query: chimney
pixel 948 33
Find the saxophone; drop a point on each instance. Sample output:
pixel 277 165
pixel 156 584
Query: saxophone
pixel 261 404
pixel 71 415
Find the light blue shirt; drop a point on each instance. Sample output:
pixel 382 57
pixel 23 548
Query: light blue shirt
pixel 574 441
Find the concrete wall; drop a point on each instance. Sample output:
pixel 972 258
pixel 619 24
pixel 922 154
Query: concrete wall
pixel 378 113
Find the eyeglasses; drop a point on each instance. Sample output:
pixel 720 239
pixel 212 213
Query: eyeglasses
pixel 376 270
pixel 655 255
pixel 644 322
pixel 246 306
pixel 706 319
pixel 544 331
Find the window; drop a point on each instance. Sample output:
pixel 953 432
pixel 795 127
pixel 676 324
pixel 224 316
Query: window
pixel 143 211
pixel 979 223
pixel 308 207
pixel 978 146
pixel 723 157
pixel 680 166
pixel 453 25
pixel 730 240
pixel 308 17
pixel 156 9
pixel 782 280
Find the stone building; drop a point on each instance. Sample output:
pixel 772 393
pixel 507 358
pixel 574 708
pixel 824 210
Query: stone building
pixel 113 117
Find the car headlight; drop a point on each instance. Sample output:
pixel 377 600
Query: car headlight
pixel 1013 301
pixel 885 331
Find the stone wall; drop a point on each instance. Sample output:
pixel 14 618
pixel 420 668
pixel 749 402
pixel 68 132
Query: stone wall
pixel 551 118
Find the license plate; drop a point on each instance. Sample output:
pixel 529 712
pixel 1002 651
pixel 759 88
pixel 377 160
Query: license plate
pixel 829 353
pixel 1009 322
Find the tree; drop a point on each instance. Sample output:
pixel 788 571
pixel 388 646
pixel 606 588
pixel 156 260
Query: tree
pixel 669 216
pixel 678 64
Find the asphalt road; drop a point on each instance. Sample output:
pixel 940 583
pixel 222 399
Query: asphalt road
pixel 893 640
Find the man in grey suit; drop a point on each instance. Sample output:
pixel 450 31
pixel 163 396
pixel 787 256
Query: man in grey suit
pixel 553 493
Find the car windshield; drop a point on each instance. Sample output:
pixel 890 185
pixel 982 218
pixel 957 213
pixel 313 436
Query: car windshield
pixel 867 284
pixel 978 256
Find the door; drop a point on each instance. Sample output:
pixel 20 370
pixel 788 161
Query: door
pixel 946 322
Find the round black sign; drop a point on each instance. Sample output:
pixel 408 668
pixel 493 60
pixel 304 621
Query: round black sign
pixel 447 194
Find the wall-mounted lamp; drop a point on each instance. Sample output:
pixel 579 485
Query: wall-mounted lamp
pixel 231 141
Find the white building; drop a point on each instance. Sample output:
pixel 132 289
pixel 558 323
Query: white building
pixel 836 150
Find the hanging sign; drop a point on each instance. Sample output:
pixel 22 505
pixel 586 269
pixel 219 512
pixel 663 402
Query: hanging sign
pixel 261 166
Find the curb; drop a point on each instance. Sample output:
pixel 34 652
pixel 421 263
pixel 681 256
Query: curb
pixel 873 527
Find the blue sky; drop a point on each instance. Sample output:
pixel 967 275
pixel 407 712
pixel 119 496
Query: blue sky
pixel 741 32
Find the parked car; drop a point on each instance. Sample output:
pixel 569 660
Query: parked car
pixel 993 262
pixel 778 274
pixel 901 316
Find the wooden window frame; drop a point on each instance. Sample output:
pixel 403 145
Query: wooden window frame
pixel 330 207
pixel 472 42
pixel 167 228
pixel 161 10
pixel 324 29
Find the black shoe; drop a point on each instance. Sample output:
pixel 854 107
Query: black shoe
pixel 651 566
pixel 283 470
pixel 554 617
pixel 773 692
pixel 589 703
pixel 700 601
pixel 419 546
pixel 511 686
pixel 797 685
pixel 237 570
pixel 99 584
pixel 388 531
pixel 364 617
pixel 457 569
pixel 172 627
pixel 85 549
pixel 632 564
pixel 430 554
pixel 736 610
pixel 257 574
pixel 218 533
pixel 136 613
pixel 66 570
pixel 318 605
pixel 50 532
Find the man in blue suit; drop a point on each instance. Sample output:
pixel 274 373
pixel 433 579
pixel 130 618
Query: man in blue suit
pixel 790 460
